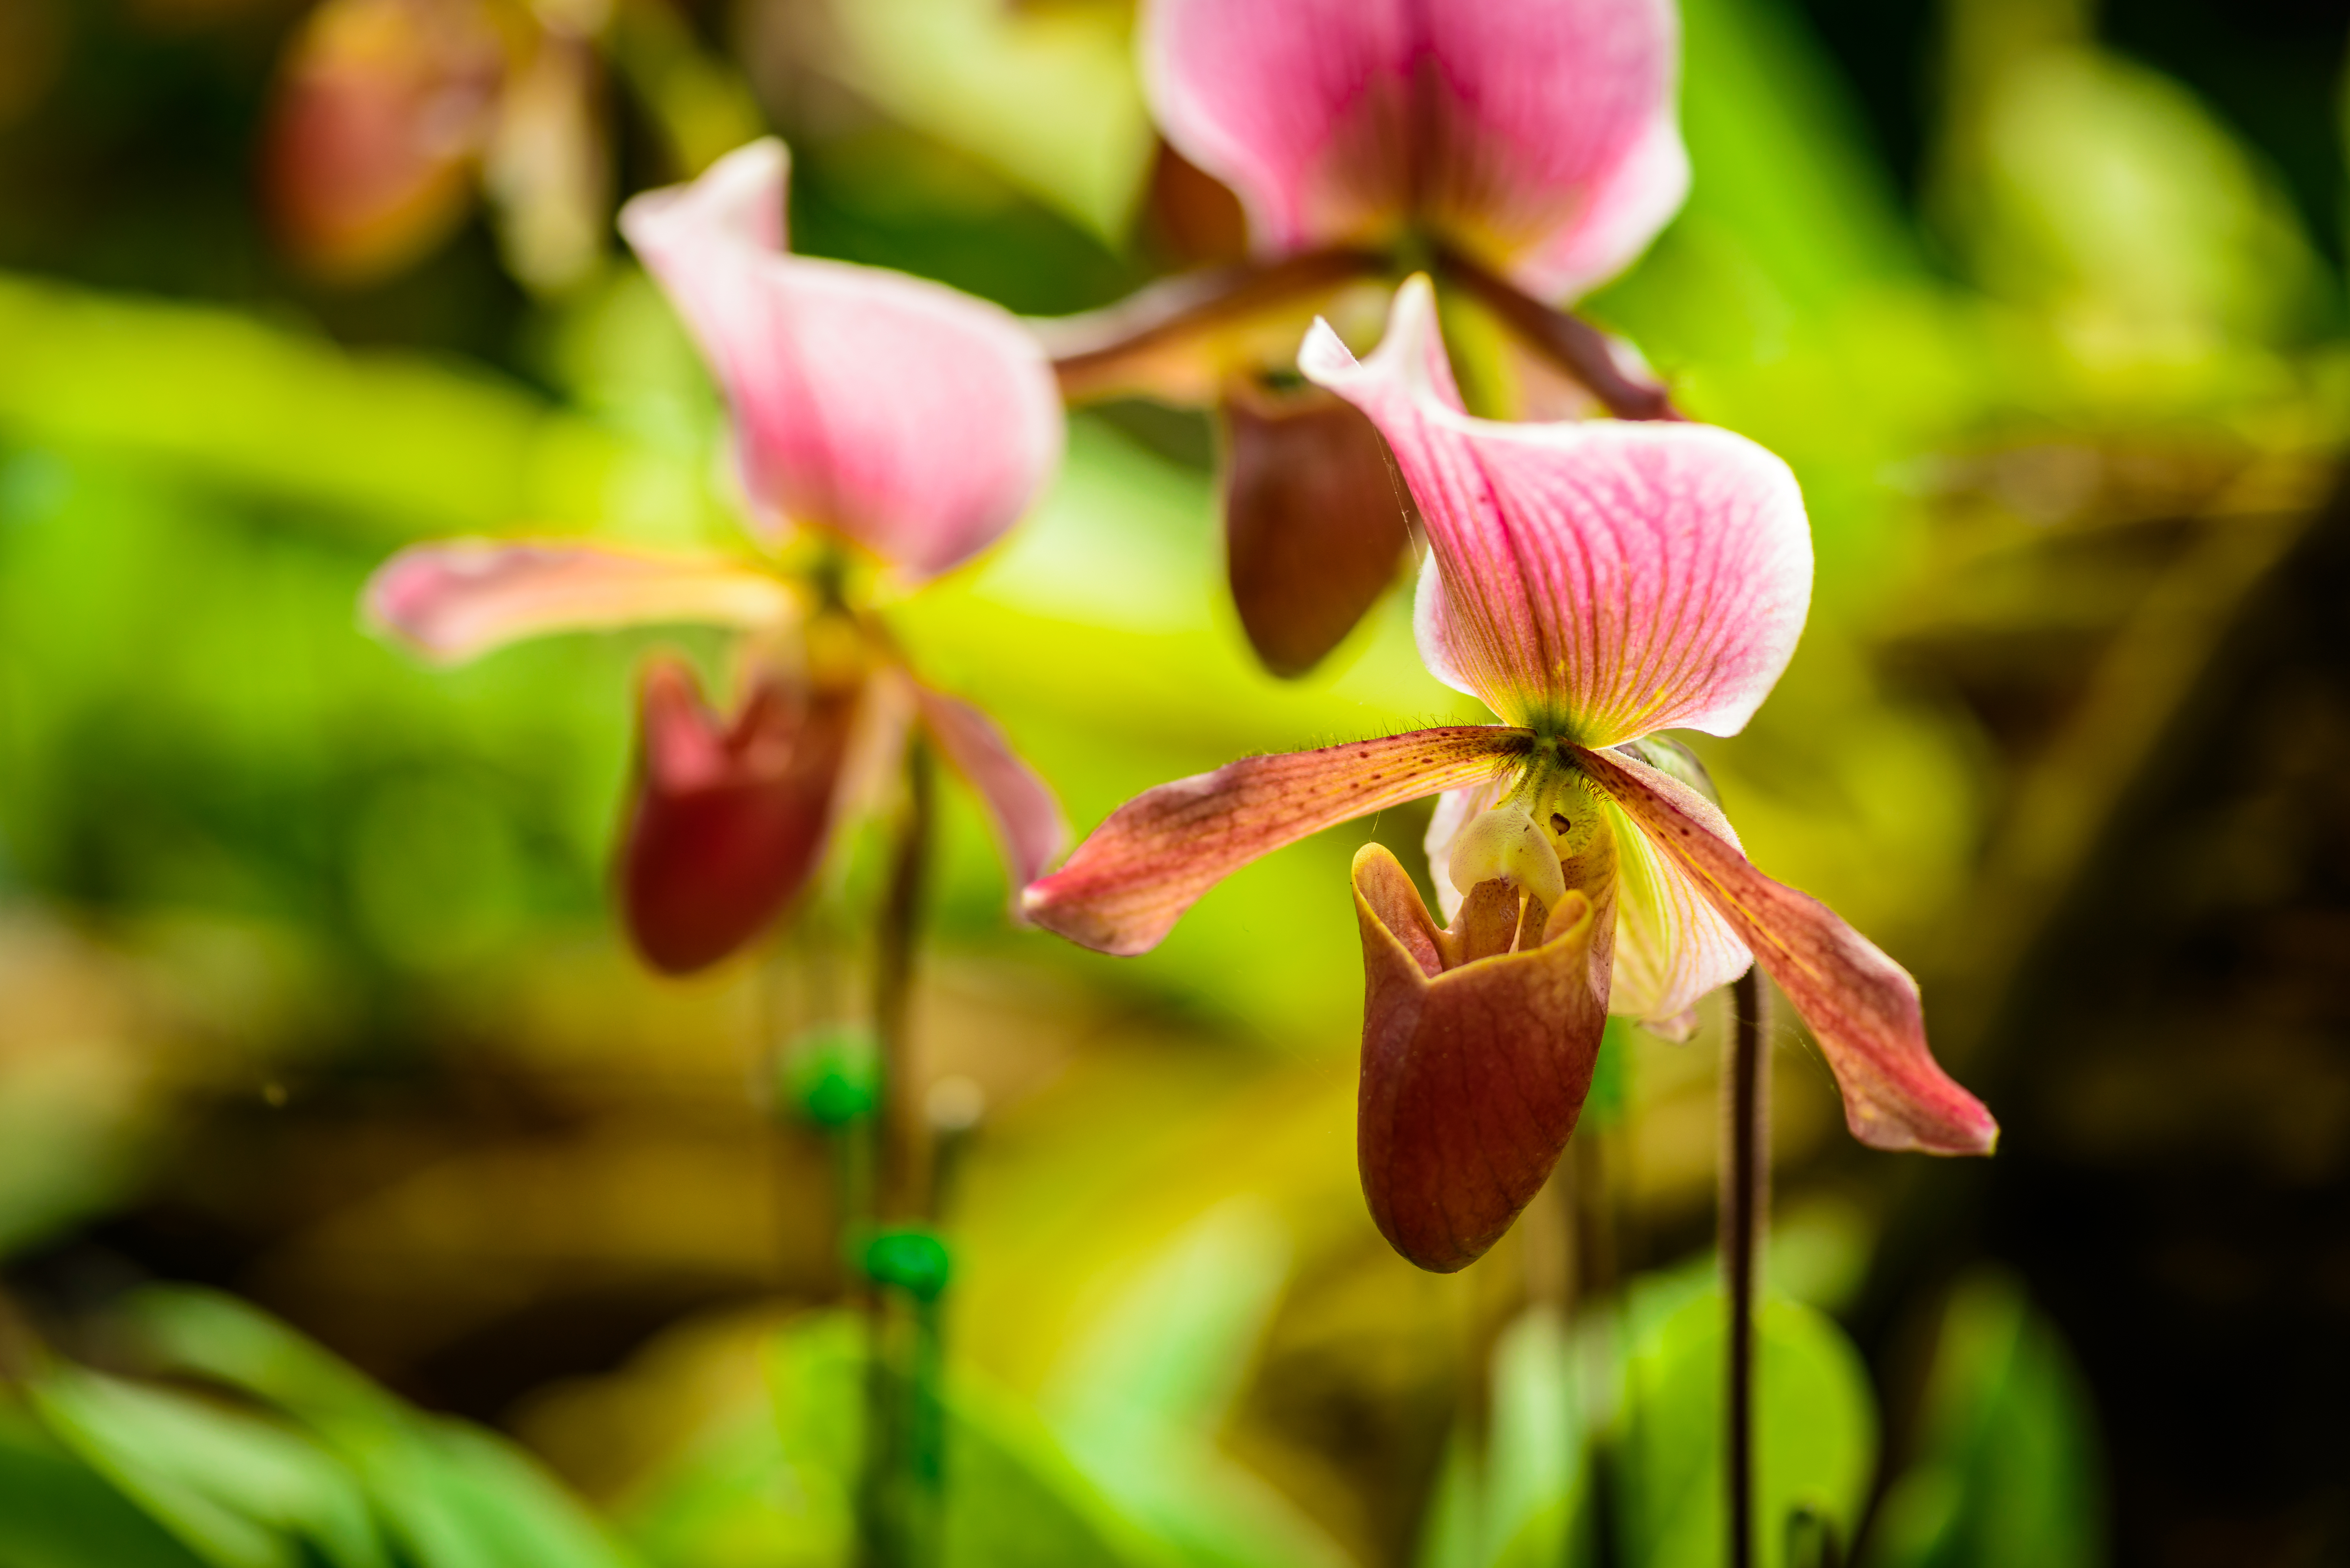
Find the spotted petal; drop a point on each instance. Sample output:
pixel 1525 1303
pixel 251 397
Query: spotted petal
pixel 914 420
pixel 1532 132
pixel 1601 579
pixel 1128 883
pixel 458 599
pixel 1862 1007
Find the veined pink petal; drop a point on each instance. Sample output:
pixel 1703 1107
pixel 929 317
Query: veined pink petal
pixel 1862 1007
pixel 455 600
pixel 1539 128
pixel 1029 827
pixel 1602 580
pixel 1128 883
pixel 918 422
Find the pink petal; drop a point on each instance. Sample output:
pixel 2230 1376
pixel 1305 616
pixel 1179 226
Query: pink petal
pixel 1029 827
pixel 1536 128
pixel 455 600
pixel 1128 883
pixel 1601 579
pixel 730 818
pixel 1472 1077
pixel 917 421
pixel 1862 1007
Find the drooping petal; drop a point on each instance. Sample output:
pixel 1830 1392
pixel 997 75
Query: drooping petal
pixel 730 817
pixel 1520 128
pixel 915 421
pixel 1601 579
pixel 455 600
pixel 1472 1077
pixel 1315 522
pixel 1128 883
pixel 1029 827
pixel 1862 1007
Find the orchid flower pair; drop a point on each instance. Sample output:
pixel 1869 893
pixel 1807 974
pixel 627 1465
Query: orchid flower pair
pixel 1593 582
pixel 1527 149
pixel 895 423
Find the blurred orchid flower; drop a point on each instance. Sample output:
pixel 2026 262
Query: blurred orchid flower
pixel 1593 582
pixel 880 415
pixel 1528 148
pixel 389 119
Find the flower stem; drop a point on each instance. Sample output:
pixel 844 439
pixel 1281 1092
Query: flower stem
pixel 1745 1194
pixel 895 1509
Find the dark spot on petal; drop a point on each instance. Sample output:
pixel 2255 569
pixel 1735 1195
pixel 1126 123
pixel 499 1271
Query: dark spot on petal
pixel 1559 825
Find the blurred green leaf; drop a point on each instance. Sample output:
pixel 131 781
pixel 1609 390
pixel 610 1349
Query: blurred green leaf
pixel 57 1512
pixel 1141 1398
pixel 1815 1430
pixel 450 1494
pixel 240 1491
pixel 2007 1471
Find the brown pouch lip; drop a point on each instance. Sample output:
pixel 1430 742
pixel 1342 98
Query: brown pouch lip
pixel 1472 1077
pixel 729 819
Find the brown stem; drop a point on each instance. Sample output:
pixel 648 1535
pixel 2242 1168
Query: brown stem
pixel 1745 1194
pixel 897 1123
pixel 1093 353
pixel 888 1500
pixel 1576 347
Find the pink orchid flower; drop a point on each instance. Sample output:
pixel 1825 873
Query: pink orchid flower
pixel 881 417
pixel 1528 148
pixel 1593 582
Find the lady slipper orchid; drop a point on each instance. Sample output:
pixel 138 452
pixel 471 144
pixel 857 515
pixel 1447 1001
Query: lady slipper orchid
pixel 886 417
pixel 1528 147
pixel 1593 582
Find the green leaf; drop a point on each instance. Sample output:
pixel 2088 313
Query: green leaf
pixel 2006 1467
pixel 1814 1431
pixel 452 1495
pixel 1140 1398
pixel 242 1491
pixel 55 1511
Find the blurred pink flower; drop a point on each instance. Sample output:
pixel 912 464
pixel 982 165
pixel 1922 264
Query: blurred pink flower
pixel 888 417
pixel 1593 584
pixel 1527 150
pixel 1536 136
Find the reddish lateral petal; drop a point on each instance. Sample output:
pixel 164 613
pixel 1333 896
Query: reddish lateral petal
pixel 1128 883
pixel 1315 522
pixel 455 600
pixel 1602 579
pixel 915 421
pixel 1473 1078
pixel 1536 128
pixel 1029 827
pixel 381 109
pixel 1862 1007
pixel 730 818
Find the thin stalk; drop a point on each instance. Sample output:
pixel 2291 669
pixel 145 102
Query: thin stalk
pixel 1745 1193
pixel 895 1509
pixel 1599 1287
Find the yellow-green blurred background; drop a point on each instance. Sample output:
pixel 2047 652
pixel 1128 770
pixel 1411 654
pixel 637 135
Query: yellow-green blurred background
pixel 309 993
